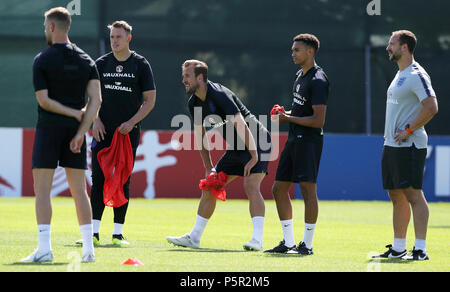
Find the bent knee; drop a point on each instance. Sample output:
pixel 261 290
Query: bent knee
pixel 252 189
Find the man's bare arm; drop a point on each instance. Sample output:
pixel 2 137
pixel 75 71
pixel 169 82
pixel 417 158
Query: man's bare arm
pixel 56 107
pixel 199 133
pixel 246 135
pixel 149 97
pixel 428 111
pixel 94 102
pixel 317 120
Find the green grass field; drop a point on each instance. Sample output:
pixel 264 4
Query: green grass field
pixel 347 234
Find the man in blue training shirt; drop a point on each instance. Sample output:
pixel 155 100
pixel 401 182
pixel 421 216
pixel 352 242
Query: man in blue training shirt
pixel 247 154
pixel 299 161
pixel 62 75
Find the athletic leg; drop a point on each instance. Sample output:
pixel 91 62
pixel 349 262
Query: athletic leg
pixel 420 211
pixel 42 183
pixel 252 185
pixel 205 210
pixel 401 216
pixel 77 184
pixel 43 179
pixel 309 194
pixel 401 212
pixel 280 191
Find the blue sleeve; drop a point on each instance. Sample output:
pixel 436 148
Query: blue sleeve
pixel 191 108
pixel 39 80
pixel 226 103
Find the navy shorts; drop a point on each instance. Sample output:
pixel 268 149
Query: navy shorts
pixel 52 148
pixel 300 159
pixel 403 167
pixel 233 162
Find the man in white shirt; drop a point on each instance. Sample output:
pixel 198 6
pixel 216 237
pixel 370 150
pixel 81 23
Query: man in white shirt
pixel 411 104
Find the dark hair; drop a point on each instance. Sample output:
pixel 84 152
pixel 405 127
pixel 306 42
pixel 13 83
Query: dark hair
pixel 308 39
pixel 199 68
pixel 408 38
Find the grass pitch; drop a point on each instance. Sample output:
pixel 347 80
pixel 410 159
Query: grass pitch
pixel 347 234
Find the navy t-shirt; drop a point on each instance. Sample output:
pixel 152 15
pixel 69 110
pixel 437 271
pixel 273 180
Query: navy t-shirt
pixel 309 89
pixel 221 103
pixel 123 83
pixel 64 70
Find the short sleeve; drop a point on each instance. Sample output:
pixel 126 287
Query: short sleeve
pixel 226 104
pixel 94 73
pixel 191 108
pixel 319 91
pixel 39 80
pixel 422 86
pixel 146 79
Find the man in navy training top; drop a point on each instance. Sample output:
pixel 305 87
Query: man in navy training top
pixel 62 75
pixel 129 95
pixel 300 159
pixel 247 154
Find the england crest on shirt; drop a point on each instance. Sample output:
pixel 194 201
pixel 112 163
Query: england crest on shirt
pixel 401 81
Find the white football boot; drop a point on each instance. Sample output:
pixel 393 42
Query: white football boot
pixel 39 257
pixel 184 241
pixel 253 245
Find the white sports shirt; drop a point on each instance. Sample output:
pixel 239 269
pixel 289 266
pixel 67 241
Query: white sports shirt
pixel 404 102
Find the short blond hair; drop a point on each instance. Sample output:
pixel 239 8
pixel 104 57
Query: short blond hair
pixel 121 24
pixel 200 67
pixel 61 17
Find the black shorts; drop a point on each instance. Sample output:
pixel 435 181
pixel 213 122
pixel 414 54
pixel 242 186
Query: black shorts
pixel 52 148
pixel 233 162
pixel 403 167
pixel 300 159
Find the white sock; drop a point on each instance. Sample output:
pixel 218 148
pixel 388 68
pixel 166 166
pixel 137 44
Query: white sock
pixel 258 228
pixel 86 234
pixel 117 228
pixel 44 239
pixel 288 232
pixel 96 225
pixel 420 244
pixel 399 244
pixel 199 227
pixel 309 233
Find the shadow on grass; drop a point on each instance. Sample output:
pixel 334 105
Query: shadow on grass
pixel 36 264
pixel 211 250
pixel 440 227
pixel 284 255
pixel 97 246
pixel 388 261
